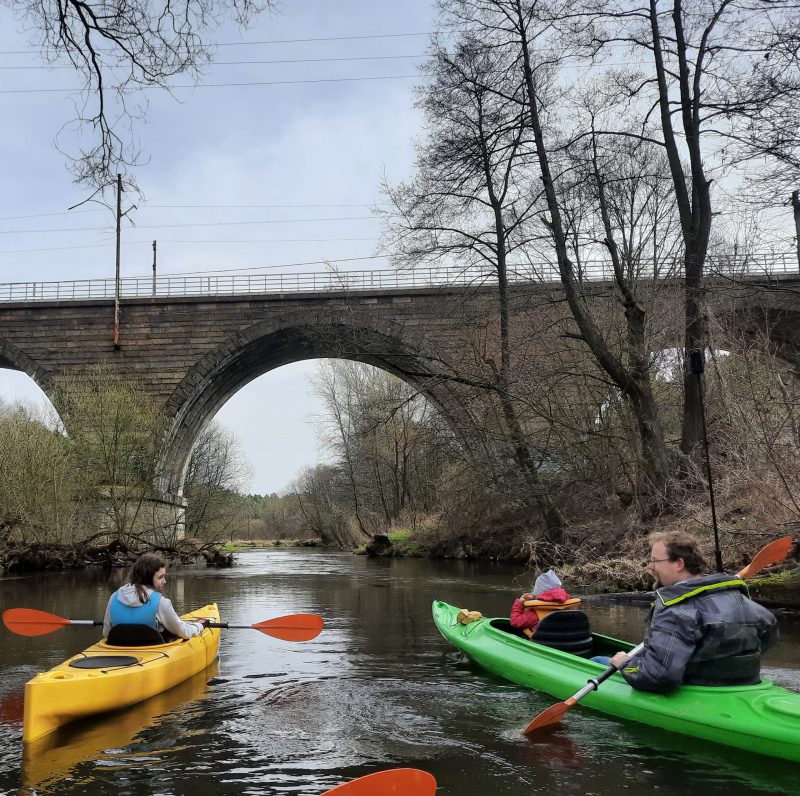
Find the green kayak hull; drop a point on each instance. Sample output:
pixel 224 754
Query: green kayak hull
pixel 763 718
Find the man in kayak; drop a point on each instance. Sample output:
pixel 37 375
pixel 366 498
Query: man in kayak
pixel 702 629
pixel 140 602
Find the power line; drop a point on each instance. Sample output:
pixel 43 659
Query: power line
pixel 183 226
pixel 144 208
pixel 280 265
pixel 229 85
pixel 276 41
pixel 254 63
pixel 61 213
pixel 259 207
pixel 204 242
pixel 253 267
pixel 321 38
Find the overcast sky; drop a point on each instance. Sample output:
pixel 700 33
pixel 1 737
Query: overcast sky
pixel 310 151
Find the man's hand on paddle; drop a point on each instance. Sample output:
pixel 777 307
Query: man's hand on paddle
pixel 619 660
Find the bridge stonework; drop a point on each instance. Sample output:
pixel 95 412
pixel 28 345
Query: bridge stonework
pixel 191 354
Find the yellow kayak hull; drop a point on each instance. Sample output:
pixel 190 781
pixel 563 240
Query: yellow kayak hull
pixel 107 738
pixel 66 693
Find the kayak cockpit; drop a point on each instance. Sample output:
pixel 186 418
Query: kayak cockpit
pixel 567 631
pixel 134 635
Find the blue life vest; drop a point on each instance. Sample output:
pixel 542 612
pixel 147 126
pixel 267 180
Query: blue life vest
pixel 121 614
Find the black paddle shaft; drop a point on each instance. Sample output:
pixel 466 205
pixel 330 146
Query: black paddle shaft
pixel 227 625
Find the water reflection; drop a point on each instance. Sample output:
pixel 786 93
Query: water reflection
pixel 114 740
pixel 378 688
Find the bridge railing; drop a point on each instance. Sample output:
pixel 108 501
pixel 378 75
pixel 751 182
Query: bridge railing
pixel 226 284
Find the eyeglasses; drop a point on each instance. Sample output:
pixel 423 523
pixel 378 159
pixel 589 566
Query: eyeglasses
pixel 658 560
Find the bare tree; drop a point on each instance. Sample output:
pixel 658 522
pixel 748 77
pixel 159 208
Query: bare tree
pixel 116 436
pixel 468 204
pixel 724 80
pixel 215 477
pixel 317 490
pixel 338 391
pixel 37 480
pixel 119 48
pixel 492 110
pixel 718 97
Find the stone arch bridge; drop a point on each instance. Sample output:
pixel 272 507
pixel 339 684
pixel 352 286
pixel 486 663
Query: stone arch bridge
pixel 191 344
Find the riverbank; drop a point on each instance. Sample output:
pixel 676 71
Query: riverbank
pixel 34 557
pixel 618 571
pixel 238 545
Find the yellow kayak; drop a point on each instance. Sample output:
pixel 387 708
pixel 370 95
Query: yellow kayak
pixel 109 737
pixel 117 677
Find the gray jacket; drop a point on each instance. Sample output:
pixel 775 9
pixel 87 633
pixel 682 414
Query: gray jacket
pixel 698 627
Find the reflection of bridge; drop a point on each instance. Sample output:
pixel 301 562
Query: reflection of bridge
pixel 228 284
pixel 201 338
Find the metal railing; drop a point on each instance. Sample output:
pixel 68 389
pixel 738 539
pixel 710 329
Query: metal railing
pixel 223 284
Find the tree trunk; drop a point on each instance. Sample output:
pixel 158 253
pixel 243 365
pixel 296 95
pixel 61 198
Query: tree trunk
pixel 796 208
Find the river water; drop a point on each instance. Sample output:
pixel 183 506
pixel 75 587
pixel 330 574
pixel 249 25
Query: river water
pixel 379 688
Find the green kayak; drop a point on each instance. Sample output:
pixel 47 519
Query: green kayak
pixel 763 718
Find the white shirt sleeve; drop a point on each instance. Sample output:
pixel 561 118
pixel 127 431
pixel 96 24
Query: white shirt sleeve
pixel 107 619
pixel 172 622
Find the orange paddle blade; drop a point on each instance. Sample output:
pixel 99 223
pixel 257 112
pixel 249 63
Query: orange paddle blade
pixel 771 554
pixel 552 715
pixel 29 622
pixel 395 782
pixel 295 627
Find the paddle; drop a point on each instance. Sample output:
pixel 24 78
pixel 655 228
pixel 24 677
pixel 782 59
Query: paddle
pixel 395 782
pixel 295 627
pixel 770 554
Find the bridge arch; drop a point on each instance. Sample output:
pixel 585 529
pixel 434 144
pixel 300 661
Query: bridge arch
pixel 14 358
pixel 267 345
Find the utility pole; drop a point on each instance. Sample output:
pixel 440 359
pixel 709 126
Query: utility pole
pixel 796 208
pixel 154 270
pixel 698 366
pixel 116 278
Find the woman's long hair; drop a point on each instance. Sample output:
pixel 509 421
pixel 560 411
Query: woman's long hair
pixel 142 572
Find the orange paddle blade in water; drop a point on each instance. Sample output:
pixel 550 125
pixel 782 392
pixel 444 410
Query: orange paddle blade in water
pixel 552 715
pixel 29 622
pixel 395 782
pixel 294 627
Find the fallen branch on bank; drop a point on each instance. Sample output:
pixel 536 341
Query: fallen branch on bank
pixel 17 557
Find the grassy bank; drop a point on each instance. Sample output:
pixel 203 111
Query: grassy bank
pixel 258 544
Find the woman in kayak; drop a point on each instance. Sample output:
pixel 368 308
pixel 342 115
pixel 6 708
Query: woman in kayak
pixel 547 588
pixel 140 602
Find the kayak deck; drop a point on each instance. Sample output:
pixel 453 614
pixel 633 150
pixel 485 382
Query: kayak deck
pixel 105 677
pixel 762 718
